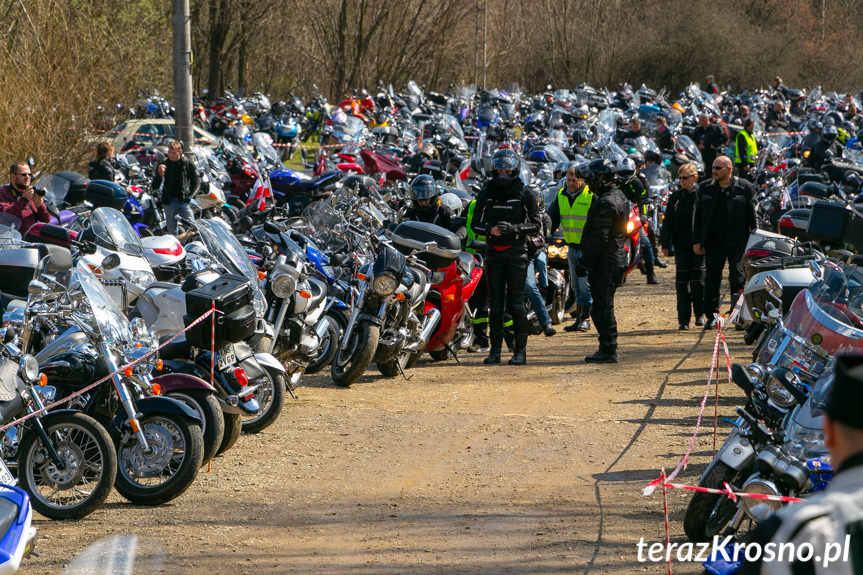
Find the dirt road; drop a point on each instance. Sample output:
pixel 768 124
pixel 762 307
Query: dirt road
pixel 462 469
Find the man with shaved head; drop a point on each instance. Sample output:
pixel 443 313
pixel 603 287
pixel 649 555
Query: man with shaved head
pixel 724 217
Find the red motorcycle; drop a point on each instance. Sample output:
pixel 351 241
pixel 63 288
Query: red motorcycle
pixel 451 289
pixel 633 229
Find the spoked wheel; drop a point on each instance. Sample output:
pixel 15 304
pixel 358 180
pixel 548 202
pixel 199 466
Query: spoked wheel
pixel 271 397
pixel 205 404
pixel 168 468
pixel 89 472
pixel 354 356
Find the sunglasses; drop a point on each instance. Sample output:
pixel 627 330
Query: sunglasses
pixel 27 174
pixel 719 168
pixel 689 177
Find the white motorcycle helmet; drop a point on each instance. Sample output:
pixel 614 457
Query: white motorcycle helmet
pixel 453 202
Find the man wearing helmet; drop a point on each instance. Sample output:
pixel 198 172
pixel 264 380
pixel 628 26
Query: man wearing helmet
pixel 604 255
pixel 827 147
pixel 507 213
pixel 428 207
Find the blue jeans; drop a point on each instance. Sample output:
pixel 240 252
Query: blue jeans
pixel 176 208
pixel 537 302
pixel 541 265
pixel 580 286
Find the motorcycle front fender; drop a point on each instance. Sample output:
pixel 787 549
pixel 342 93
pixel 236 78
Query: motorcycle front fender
pixel 556 277
pixel 177 381
pixel 157 405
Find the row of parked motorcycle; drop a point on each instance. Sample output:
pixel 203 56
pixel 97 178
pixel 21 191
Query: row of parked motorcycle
pixel 285 272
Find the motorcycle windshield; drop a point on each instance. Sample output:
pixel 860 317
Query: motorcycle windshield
pixel 56 188
pixel 225 249
pixel 110 321
pixel 264 145
pixel 9 226
pixel 657 176
pixel 553 154
pixel 114 232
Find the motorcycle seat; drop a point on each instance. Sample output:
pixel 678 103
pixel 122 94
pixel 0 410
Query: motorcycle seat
pixel 177 349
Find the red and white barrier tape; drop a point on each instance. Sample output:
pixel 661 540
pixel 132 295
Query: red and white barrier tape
pixel 730 493
pixel 684 461
pixel 109 376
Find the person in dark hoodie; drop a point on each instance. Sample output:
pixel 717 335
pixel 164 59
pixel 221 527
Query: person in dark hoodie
pixel 507 213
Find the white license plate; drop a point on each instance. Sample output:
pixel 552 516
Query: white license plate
pixel 6 477
pixel 227 357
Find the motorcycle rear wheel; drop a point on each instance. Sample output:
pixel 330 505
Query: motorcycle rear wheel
pixel 353 357
pixel 207 407
pixel 85 483
pixel 177 452
pixel 271 396
pixel 405 359
pixel 233 426
pixel 707 514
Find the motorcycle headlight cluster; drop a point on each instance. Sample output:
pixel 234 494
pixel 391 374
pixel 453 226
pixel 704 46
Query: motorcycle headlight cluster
pixel 385 284
pixel 141 278
pixel 560 251
pixel 759 509
pixel 29 369
pixel 778 394
pixel 144 366
pixel 283 285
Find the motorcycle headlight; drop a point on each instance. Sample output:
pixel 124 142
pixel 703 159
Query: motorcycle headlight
pixel 778 394
pixel 141 278
pixel 29 371
pixel 283 285
pixel 385 284
pixel 759 509
pixel 630 227
pixel 563 251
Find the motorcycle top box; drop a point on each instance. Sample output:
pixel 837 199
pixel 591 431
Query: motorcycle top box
pixel 104 194
pixel 833 223
pixel 235 316
pixel 409 236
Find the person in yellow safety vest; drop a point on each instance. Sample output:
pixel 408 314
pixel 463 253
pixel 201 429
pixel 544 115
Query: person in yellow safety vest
pixel 479 300
pixel 746 150
pixel 569 213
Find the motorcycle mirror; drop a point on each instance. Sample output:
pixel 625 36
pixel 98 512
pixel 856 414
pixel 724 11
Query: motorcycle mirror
pixel 31 161
pixel 773 287
pixel 110 262
pixel 35 288
pixel 816 269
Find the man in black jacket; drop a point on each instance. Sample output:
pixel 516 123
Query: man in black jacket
pixel 724 218
pixel 180 178
pixel 507 213
pixel 677 234
pixel 710 138
pixel 604 257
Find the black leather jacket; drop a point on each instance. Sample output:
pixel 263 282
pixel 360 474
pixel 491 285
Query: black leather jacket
pixel 509 202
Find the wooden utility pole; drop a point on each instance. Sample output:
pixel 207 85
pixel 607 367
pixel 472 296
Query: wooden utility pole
pixel 182 74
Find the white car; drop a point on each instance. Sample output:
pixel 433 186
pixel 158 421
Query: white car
pixel 149 130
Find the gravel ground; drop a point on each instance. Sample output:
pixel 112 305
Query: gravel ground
pixel 463 468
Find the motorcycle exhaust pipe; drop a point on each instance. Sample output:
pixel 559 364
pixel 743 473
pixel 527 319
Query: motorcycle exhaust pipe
pixel 429 327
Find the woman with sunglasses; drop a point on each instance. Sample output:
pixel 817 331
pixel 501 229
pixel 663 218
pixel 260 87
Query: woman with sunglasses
pixel 676 235
pixel 20 199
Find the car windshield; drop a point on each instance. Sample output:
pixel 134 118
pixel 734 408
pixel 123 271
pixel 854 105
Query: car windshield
pixel 114 232
pixel 225 249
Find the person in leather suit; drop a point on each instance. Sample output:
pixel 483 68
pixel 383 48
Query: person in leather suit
pixel 507 213
pixel 604 255
pixel 428 207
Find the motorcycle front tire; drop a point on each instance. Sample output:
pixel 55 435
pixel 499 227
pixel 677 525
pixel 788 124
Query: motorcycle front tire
pixel 81 437
pixel 707 514
pixel 353 357
pixel 186 442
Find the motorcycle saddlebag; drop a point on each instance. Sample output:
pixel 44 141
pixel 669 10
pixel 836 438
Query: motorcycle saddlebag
pixel 104 194
pixel 235 315
pixel 448 244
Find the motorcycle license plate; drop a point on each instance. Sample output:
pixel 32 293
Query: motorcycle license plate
pixel 227 357
pixel 6 477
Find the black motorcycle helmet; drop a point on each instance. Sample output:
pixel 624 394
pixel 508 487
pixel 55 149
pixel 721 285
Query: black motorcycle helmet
pixel 600 174
pixel 423 187
pixel 505 159
pixel 652 156
pixel 364 185
pixel 625 169
pixel 829 133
